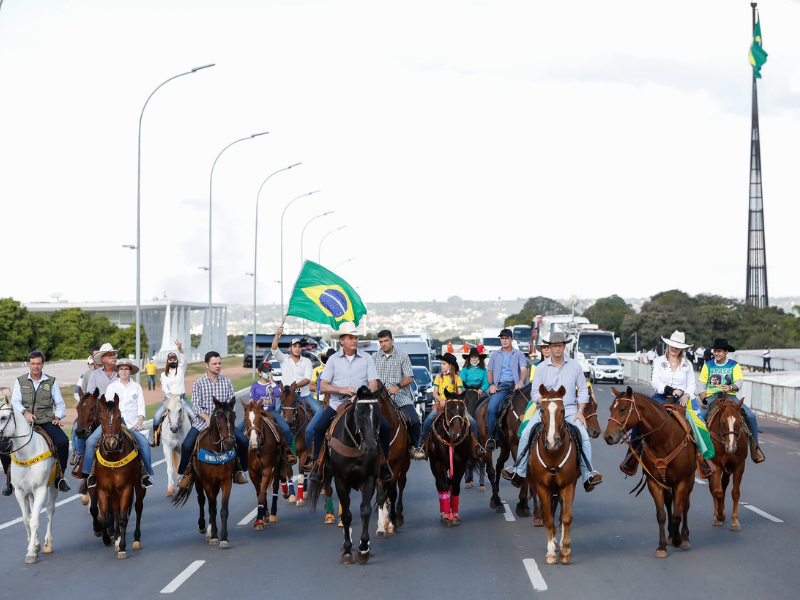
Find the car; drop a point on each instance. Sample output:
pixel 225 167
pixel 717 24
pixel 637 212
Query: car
pixel 436 368
pixel 424 383
pixel 606 367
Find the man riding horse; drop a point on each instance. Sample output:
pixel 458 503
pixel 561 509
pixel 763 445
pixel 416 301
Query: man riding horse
pixel 508 370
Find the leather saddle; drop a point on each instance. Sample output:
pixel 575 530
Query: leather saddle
pixel 51 446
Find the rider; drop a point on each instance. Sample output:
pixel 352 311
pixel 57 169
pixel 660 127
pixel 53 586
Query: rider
pixel 474 374
pixel 508 370
pixel 38 397
pixel 80 389
pixel 557 371
pixel 543 348
pixel 131 407
pixel 267 393
pixel 106 357
pixel 295 368
pixel 723 374
pixel 210 386
pixel 396 373
pixel 172 384
pixel 346 371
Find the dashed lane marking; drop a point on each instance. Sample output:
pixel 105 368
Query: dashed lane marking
pixel 508 514
pixel 534 575
pixel 700 481
pixel 758 511
pixel 184 575
pixel 250 516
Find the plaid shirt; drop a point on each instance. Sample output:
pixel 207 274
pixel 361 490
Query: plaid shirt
pixel 392 369
pixel 203 393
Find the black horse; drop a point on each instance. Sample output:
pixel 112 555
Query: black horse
pixel 351 460
pixel 472 401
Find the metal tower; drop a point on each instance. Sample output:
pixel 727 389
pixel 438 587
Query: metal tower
pixel 756 251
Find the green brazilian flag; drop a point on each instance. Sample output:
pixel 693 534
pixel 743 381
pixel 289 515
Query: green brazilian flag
pixel 323 297
pixel 757 55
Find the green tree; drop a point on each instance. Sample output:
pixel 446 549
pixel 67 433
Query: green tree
pixel 16 332
pixel 235 344
pixel 608 313
pixel 125 340
pixel 538 305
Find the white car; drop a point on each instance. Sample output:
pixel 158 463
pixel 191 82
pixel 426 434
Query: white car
pixel 606 367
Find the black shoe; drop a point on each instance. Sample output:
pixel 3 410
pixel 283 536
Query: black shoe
pixel 316 476
pixel 385 474
pixel 83 490
pixel 8 489
pixel 91 481
pixel 147 481
pixel 63 485
pixel 491 445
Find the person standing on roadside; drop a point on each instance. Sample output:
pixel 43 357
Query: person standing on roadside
pixel 699 359
pixel 508 370
pixel 150 368
pixel 767 355
pixel 295 368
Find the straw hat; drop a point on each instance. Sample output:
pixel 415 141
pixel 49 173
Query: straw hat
pixel 104 349
pixel 124 362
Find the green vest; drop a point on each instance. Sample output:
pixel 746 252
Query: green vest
pixel 38 402
pixel 85 380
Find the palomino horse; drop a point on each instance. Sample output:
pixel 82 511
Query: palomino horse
pixel 118 473
pixel 399 462
pixel 218 446
pixel 33 476
pixel 669 479
pixel 448 453
pixel 351 460
pixel 507 445
pixel 88 420
pixel 297 416
pixel 472 401
pixel 176 425
pixel 553 469
pixel 730 456
pixel 264 456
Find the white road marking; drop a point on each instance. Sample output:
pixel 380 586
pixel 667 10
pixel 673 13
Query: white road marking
pixel 758 511
pixel 700 481
pixel 250 516
pixel 508 514
pixel 185 574
pixel 155 464
pixel 533 574
pixel 59 503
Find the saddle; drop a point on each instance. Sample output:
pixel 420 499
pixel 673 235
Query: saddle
pixel 705 468
pixel 51 446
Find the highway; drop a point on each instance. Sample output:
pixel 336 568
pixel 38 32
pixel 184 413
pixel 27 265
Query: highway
pixel 614 538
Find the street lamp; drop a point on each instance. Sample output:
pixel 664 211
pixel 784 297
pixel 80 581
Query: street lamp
pixel 210 189
pixel 139 218
pixel 330 212
pixel 131 246
pixel 341 263
pixel 282 214
pixel 319 257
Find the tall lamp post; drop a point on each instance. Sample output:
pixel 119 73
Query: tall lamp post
pixel 210 204
pixel 330 212
pixel 139 219
pixel 341 263
pixel 255 263
pixel 319 252
pixel 282 214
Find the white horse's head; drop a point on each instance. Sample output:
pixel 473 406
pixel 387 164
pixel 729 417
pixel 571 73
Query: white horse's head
pixel 7 418
pixel 175 414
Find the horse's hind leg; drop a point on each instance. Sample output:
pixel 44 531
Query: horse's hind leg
pixel 51 510
pixel 718 496
pixel 737 480
pixel 211 494
pixel 383 519
pixel 523 510
pixel 273 515
pixel 201 500
pixel 494 501
pixel 482 481
pixel 169 457
pixel 567 497
pixel 124 513
pixel 97 526
pixel 399 520
pixel 367 490
pixel 680 515
pixel 347 518
pixel 549 523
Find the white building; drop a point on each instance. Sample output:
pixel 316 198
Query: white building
pixel 164 321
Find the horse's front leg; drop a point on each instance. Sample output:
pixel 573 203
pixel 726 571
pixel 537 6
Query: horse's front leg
pixel 367 491
pixel 717 496
pixel 502 457
pixel 661 516
pixel 383 517
pixel 523 509
pixel 227 484
pixel 399 520
pixel 138 507
pixel 347 518
pixel 549 523
pixel 124 511
pixel 567 497
pixel 201 500
pixel 494 502
pixel 169 451
pixel 51 510
pixel 737 480
pixel 211 493
pixel 94 510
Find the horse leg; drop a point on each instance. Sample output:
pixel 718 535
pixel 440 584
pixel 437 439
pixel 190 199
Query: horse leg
pixel 399 521
pixel 367 491
pixel 567 497
pixel 501 460
pixel 383 518
pixel 124 510
pixel 669 500
pixel 737 480
pixel 201 500
pixel 680 529
pixel 211 493
pixel 168 458
pixel 347 518
pixel 29 512
pixel 523 510
pixel 138 506
pixel 718 496
pixel 273 515
pixel 468 483
pixel 97 526
pixel 391 520
pixel 538 515
pixel 549 523
pixel 51 509
pixel 494 501
pixel 227 484
pixel 661 517
pixel 482 482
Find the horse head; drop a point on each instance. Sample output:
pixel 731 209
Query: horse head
pixel 455 413
pixel 554 422
pixel 252 423
pixel 222 423
pixel 367 415
pixel 592 423
pixel 623 417
pixel 88 414
pixel 471 398
pixel 111 424
pixel 7 416
pixel 730 422
pixel 175 413
pixel 289 404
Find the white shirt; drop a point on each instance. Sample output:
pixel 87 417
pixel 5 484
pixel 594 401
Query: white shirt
pixel 652 355
pixel 131 400
pixel 698 354
pixel 294 372
pixel 173 383
pixel 680 379
pixel 766 353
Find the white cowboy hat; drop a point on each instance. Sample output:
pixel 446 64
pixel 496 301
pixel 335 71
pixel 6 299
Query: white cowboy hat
pixel 124 362
pixel 104 349
pixel 346 328
pixel 677 340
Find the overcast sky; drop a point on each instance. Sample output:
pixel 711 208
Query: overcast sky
pixel 472 148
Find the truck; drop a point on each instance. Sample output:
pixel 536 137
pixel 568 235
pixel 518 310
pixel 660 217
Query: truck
pixel 523 335
pixel 490 338
pixel 592 342
pixel 546 325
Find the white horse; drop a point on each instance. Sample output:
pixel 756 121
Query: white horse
pixel 173 431
pixel 33 477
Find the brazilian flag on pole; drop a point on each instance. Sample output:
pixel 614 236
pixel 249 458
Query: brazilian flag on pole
pixel 322 296
pixel 757 55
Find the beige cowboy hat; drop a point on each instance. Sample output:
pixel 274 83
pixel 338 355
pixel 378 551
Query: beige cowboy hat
pixel 124 362
pixel 104 349
pixel 677 340
pixel 559 337
pixel 346 328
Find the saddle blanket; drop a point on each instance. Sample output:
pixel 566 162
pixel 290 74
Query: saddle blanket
pixel 215 459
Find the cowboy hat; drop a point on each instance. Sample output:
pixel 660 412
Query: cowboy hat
pixel 545 341
pixel 473 352
pixel 124 362
pixel 449 359
pixel 677 340
pixel 328 353
pixel 345 328
pixel 104 349
pixel 559 337
pixel 722 344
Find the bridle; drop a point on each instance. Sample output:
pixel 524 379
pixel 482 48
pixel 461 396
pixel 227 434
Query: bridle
pixel 257 428
pixel 117 437
pixel 624 426
pixel 218 416
pixel 563 420
pixel 94 420
pixel 737 433
pixel 554 470
pixel 14 437
pixel 448 422
pixel 180 415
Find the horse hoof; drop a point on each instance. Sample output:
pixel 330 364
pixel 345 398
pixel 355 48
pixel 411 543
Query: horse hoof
pixel 273 518
pixel 661 554
pixel 84 499
pixel 108 543
pixel 538 522
pixel 717 523
pixel 48 549
pixel 468 485
pixel 381 535
pixel 122 555
pixel 202 531
pixel 259 527
pixel 213 542
pixel 482 488
pixel 399 522
pixel 523 512
pixel 300 503
pixel 224 544
pixel 347 559
pixel 500 509
pixel 170 491
pixel 390 528
pixel 97 533
pixel 137 545
pixel 564 558
pixel 492 504
pixel 330 519
pixel 734 527
pixel 551 560
pixel 362 558
pixel 30 560
pixel 685 544
pixel 292 499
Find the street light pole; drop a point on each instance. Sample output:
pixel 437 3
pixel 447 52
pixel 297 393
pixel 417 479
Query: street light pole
pixel 255 263
pixel 210 204
pixel 330 212
pixel 341 263
pixel 139 219
pixel 282 214
pixel 319 253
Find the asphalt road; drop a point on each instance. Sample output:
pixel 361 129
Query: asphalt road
pixel 614 538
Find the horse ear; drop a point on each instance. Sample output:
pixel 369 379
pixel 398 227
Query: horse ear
pixel 217 403
pixel 116 400
pixel 561 391
pixel 739 405
pixel 629 392
pixel 614 391
pixel 244 404
pixel 8 403
pixel 96 393
pixel 542 390
pixel 294 387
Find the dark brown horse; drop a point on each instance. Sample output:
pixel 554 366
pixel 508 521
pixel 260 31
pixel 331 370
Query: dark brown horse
pixel 730 456
pixel 667 458
pixel 473 400
pixel 554 468
pixel 118 473
pixel 448 453
pixel 264 456
pixel 297 416
pixel 399 462
pixel 88 420
pixel 210 478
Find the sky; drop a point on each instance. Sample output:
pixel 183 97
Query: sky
pixel 475 148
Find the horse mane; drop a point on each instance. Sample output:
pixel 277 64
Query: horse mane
pixel 657 405
pixel 364 393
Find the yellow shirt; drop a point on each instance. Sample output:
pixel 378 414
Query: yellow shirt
pixel 446 383
pixel 316 373
pixel 150 368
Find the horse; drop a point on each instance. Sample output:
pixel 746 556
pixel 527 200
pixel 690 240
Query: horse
pixel 669 479
pixel 351 461
pixel 218 444
pixel 173 433
pixel 33 476
pixel 448 454
pixel 554 468
pixel 297 416
pixel 730 456
pixel 507 445
pixel 391 519
pixel 475 464
pixel 118 475
pixel 87 421
pixel 264 456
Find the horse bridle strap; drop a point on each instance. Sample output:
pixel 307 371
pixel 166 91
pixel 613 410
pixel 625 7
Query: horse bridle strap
pixel 554 470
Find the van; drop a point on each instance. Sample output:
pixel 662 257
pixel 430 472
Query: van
pixel 490 338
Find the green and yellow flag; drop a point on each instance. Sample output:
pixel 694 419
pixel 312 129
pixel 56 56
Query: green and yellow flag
pixel 322 296
pixel 757 55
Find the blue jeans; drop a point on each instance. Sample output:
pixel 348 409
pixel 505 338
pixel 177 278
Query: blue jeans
pixel 151 381
pixel 187 448
pixel 494 406
pixel 163 406
pixel 287 433
pixel 426 427
pixel 91 443
pixel 312 403
pixel 412 415
pixel 77 443
pixel 323 420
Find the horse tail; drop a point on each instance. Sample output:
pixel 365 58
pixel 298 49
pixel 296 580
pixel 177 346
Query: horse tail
pixel 316 489
pixel 182 496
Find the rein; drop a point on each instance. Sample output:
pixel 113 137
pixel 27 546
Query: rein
pixel 221 438
pixel 14 437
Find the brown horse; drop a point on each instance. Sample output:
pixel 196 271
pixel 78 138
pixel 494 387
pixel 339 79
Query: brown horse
pixel 554 468
pixel 670 479
pixel 118 473
pixel 264 456
pixel 88 420
pixel 210 478
pixel 448 453
pixel 730 456
pixel 297 416
pixel 399 463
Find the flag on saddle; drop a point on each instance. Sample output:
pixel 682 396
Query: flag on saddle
pixel 322 296
pixel 701 435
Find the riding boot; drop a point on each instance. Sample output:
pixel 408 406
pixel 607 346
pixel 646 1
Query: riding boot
pixel 308 464
pixel 84 488
pixel 755 451
pixel 8 489
pixel 63 485
pixel 630 464
pixel 291 457
pixel 156 440
pixel 185 480
pixel 477 449
pixel 74 458
pixel 239 477
pixel 705 468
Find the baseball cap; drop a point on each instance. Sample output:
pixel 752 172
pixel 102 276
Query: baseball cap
pixel 296 341
pixel 507 333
